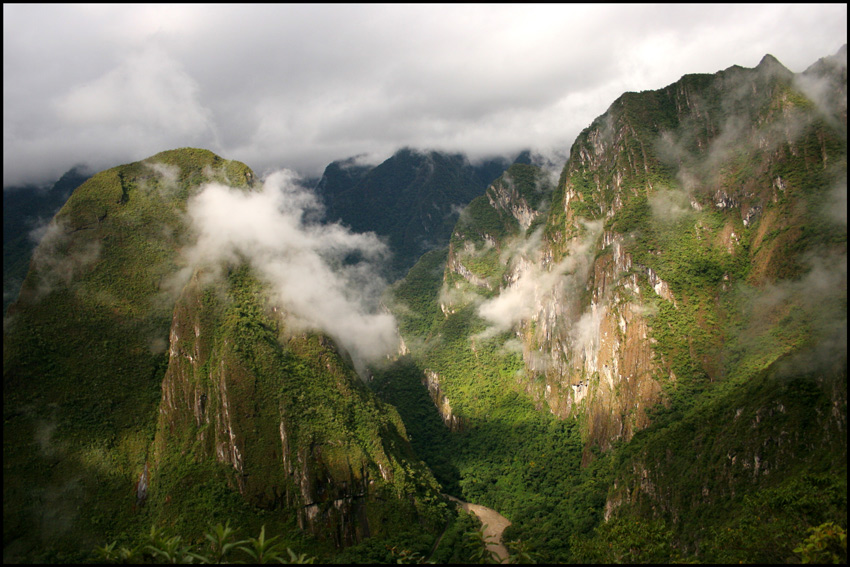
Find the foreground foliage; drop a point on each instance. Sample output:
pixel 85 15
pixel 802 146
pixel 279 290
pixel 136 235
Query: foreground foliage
pixel 221 547
pixel 826 544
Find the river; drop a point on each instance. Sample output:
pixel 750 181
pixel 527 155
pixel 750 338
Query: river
pixel 494 524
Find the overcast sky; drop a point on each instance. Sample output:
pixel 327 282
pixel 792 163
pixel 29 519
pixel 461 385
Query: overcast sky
pixel 300 86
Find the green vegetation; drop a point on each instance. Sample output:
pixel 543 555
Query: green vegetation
pixel 743 456
pixel 742 485
pixel 83 389
pixel 309 433
pixel 827 544
pixel 27 209
pixel 508 455
pixel 221 547
pixel 84 356
pixel 481 219
pixel 205 402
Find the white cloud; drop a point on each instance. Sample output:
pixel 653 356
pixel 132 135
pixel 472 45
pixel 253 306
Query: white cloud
pixel 148 92
pixel 535 282
pixel 57 259
pixel 302 261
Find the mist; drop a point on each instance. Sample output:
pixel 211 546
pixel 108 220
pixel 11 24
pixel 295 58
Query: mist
pixel 56 259
pixel 534 281
pixel 307 265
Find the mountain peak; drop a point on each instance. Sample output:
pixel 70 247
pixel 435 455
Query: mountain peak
pixel 769 59
pixel 771 64
pixel 832 64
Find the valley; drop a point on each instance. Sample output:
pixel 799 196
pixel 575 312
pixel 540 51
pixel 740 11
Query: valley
pixel 639 357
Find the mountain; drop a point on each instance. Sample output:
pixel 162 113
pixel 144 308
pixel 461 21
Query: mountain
pixel 25 211
pixel 143 390
pixel 643 360
pixel 412 199
pixel 284 418
pixel 672 315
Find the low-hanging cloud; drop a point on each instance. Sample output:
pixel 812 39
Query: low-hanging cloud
pixel 323 276
pixel 816 302
pixel 520 300
pixel 57 259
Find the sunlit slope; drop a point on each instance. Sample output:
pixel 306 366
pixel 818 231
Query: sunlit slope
pixel 683 303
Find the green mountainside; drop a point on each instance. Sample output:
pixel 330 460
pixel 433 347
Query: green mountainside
pixel 412 199
pixel 643 360
pixel 84 353
pixel 133 399
pixel 671 316
pixel 284 419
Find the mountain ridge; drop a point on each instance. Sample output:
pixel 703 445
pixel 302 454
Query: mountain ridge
pixel 679 217
pixel 126 366
pixel 412 199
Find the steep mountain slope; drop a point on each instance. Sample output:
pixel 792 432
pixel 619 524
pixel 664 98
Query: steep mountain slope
pixel 287 416
pixel 83 351
pixel 25 210
pixel 133 397
pixel 704 190
pixel 672 280
pixel 412 198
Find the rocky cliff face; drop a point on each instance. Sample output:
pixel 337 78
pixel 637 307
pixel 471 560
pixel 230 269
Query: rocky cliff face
pixel 584 337
pixel 84 351
pixel 680 294
pixel 720 159
pixel 442 402
pixel 674 205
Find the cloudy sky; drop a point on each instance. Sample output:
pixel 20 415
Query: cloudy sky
pixel 300 86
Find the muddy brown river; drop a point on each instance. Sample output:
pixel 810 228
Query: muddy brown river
pixel 494 524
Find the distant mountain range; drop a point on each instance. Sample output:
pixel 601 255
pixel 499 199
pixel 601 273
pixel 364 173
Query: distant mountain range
pixel 413 199
pixel 26 210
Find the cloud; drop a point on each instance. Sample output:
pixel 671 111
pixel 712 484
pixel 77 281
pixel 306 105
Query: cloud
pixel 811 310
pixel 669 205
pixel 56 259
pixel 822 84
pixel 148 92
pixel 308 266
pixel 304 85
pixel 145 104
pixel 533 281
pixel 584 335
